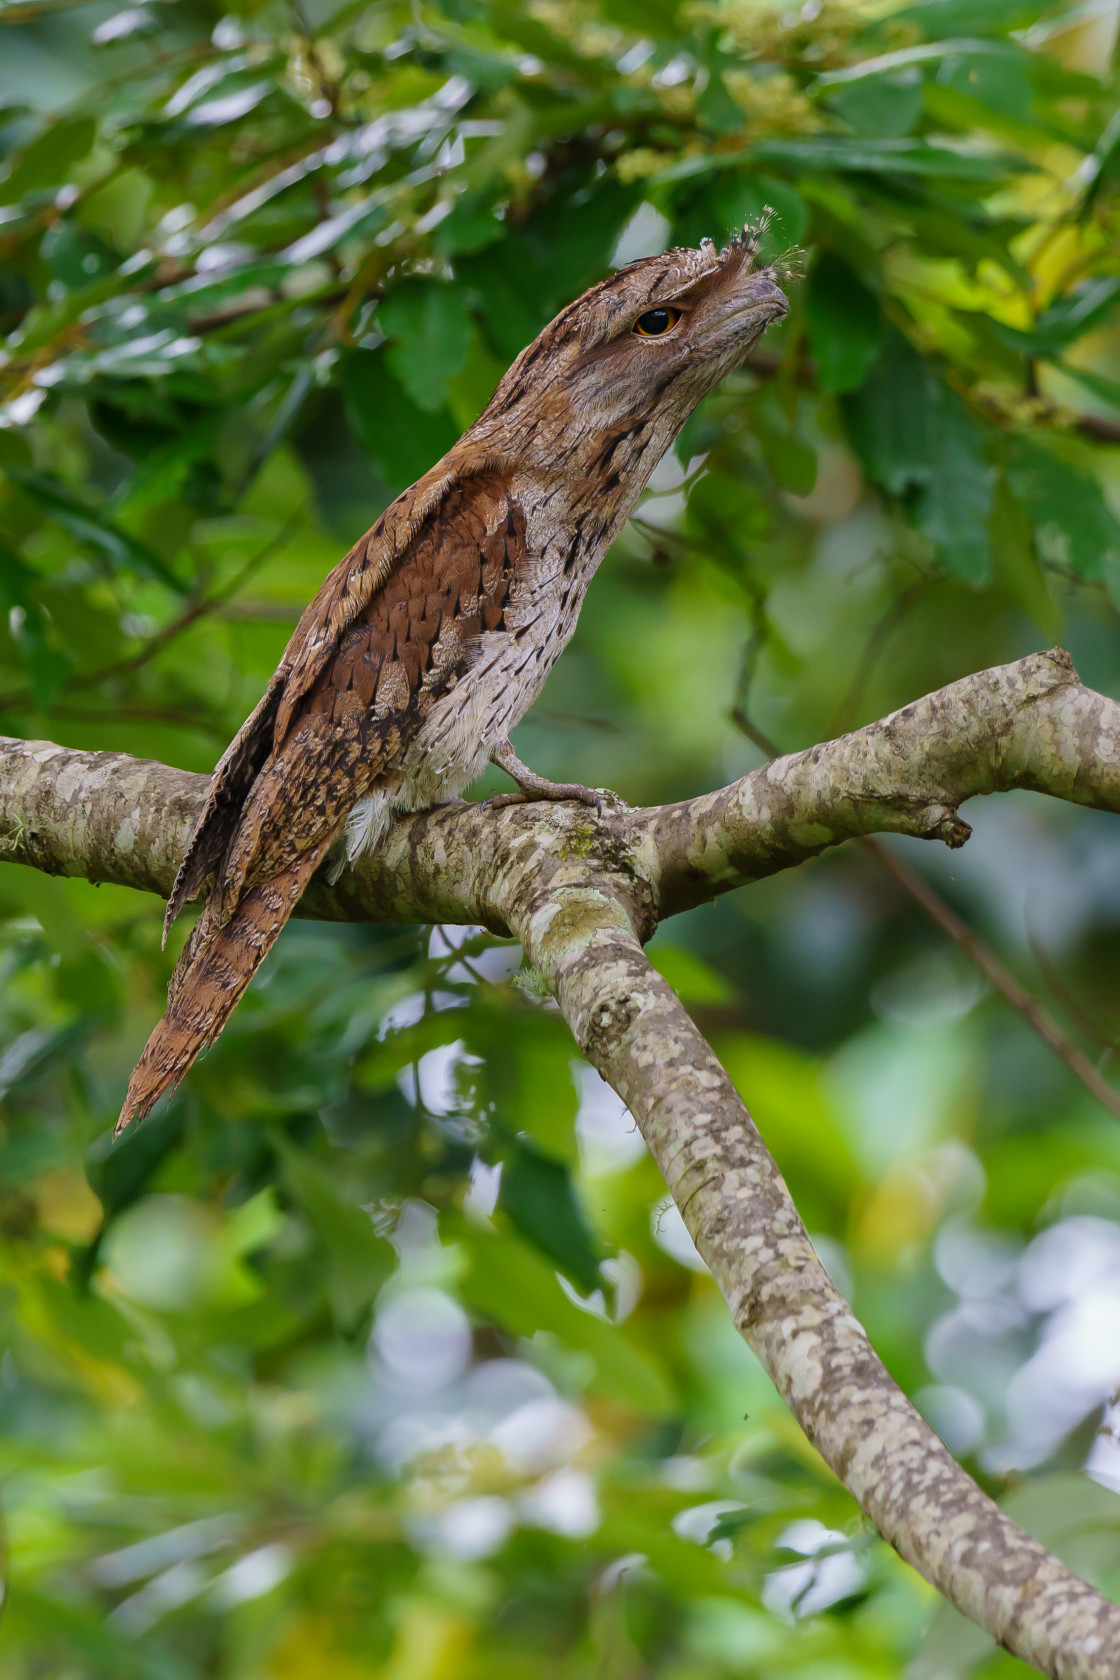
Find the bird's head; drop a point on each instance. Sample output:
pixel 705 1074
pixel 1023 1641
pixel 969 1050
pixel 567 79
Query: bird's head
pixel 632 357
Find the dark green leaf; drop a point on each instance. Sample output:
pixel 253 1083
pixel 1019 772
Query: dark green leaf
pixel 89 526
pixel 738 198
pixel 429 327
pixel 119 1168
pixel 884 107
pixel 938 19
pixel 48 160
pixel 538 1195
pixel 888 418
pixel 830 154
pixel 358 1260
pixel 403 439
pixel 844 324
pixel 1016 562
pixel 1077 530
pixel 954 505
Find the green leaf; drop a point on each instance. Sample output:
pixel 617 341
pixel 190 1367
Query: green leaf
pixel 955 504
pixel 886 157
pixel 403 439
pixel 844 323
pixel 48 160
pixel 358 1260
pixel 1087 307
pixel 1016 562
pixel 516 1288
pixel 89 526
pixel 119 1168
pixel 734 199
pixel 998 76
pixel 1076 529
pixel 47 667
pixel 792 461
pixel 940 18
pixel 430 329
pixel 883 107
pixel 917 440
pixel 833 154
pixel 888 418
pixel 470 225
pixel 538 1196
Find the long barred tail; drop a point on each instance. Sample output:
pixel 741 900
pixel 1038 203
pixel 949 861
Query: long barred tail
pixel 213 973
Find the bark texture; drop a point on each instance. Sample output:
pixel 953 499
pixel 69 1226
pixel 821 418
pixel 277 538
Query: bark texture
pixel 581 893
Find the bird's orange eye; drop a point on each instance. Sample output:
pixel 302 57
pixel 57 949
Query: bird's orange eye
pixel 656 322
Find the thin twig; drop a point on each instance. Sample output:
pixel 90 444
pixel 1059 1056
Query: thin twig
pixel 1025 1006
pixel 1062 992
pixel 1022 1002
pixel 155 645
pixel 768 364
pixel 868 659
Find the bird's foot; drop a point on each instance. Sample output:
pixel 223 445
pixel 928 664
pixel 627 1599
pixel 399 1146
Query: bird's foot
pixel 542 789
pixel 531 787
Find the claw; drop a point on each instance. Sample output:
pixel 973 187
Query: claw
pixel 531 786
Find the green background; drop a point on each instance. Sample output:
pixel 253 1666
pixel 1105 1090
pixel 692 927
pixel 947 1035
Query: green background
pixel 377 1354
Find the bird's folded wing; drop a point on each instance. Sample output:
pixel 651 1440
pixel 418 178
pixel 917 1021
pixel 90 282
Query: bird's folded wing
pixel 390 628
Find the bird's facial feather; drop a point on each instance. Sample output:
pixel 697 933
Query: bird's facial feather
pixel 598 365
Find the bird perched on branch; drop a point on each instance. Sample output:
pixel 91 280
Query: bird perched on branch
pixel 433 637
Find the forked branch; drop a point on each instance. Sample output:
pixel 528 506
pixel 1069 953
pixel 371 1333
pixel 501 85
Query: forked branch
pixel 582 894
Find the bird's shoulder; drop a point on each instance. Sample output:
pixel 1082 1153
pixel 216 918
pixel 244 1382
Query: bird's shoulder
pixel 421 582
pixel 393 616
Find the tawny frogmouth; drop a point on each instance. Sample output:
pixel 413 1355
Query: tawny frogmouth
pixel 433 637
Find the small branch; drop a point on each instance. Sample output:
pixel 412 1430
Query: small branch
pixel 1025 1005
pixel 1022 1002
pixel 768 364
pixel 155 645
pixel 1031 724
pixel 872 648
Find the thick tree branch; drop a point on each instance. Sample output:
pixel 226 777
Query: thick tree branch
pixel 634 1030
pixel 1032 724
pixel 581 895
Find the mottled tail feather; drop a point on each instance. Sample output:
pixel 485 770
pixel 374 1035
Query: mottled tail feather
pixel 211 978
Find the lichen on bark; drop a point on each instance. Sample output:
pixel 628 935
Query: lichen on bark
pixel 582 896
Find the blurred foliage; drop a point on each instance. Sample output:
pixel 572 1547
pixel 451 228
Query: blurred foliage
pixel 379 1353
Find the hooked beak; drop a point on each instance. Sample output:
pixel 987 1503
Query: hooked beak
pixel 760 303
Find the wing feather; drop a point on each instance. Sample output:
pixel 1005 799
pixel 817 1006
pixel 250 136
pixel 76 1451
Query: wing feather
pixel 373 627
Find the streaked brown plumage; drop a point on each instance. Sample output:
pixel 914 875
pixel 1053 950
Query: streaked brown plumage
pixel 431 639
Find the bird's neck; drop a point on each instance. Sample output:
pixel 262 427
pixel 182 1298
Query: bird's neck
pixel 581 482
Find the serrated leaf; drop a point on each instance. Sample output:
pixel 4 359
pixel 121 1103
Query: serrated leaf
pixel 1075 526
pixel 888 418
